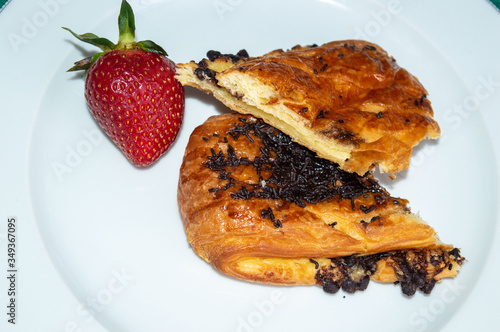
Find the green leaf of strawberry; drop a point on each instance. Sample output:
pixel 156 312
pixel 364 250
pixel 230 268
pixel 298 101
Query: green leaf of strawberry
pixel 103 43
pixel 150 46
pixel 132 92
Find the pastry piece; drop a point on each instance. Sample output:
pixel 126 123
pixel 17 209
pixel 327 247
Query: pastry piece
pixel 348 101
pixel 262 208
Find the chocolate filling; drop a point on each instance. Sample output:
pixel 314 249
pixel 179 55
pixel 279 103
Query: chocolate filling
pixel 342 135
pixel 415 270
pixel 205 73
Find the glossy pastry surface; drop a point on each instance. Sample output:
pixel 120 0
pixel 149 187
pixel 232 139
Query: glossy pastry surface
pixel 348 100
pixel 260 207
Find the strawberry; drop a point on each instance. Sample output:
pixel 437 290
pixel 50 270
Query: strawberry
pixel 132 93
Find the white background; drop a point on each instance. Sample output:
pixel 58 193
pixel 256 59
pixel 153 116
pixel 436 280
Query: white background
pixel 54 278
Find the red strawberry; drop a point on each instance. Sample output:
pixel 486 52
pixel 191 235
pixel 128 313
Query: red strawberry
pixel 132 93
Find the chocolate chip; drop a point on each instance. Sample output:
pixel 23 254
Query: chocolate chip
pixel 331 287
pixel 297 175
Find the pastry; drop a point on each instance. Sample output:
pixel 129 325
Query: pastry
pixel 348 101
pixel 259 207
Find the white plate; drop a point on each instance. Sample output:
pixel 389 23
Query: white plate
pixel 100 243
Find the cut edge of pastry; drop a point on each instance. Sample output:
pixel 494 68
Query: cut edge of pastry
pixel 248 94
pixel 287 122
pixel 417 269
pixel 352 273
pixel 276 269
pixel 415 265
pixel 257 99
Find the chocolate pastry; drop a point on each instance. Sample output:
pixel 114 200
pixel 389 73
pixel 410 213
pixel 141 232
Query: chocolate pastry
pixel 260 207
pixel 348 101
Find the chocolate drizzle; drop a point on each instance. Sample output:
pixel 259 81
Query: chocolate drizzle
pixel 297 175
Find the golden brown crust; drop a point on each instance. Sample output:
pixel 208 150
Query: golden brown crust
pixel 346 100
pixel 271 240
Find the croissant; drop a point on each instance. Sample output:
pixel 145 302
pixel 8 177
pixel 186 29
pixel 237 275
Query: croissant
pixel 259 207
pixel 348 101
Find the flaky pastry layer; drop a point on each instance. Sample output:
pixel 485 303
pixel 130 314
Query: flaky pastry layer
pixel 348 101
pixel 262 208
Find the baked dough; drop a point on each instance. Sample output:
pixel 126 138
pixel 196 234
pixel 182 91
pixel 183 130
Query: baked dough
pixel 348 101
pixel 262 208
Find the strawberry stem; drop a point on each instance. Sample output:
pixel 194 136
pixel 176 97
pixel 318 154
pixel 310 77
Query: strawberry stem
pixel 126 27
pixel 126 39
